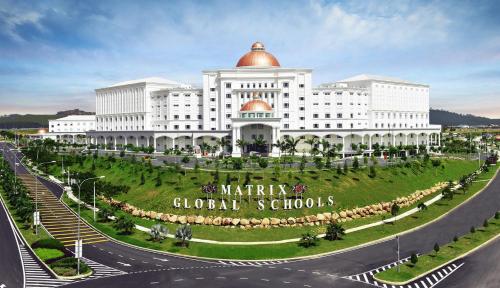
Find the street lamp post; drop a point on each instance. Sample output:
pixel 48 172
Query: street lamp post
pixel 36 196
pixel 79 220
pixel 397 240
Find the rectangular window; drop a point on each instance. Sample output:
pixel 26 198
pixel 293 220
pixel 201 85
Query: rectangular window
pixel 302 118
pixel 285 95
pixel 211 89
pixel 301 85
pixel 228 85
pixel 286 115
pixel 285 84
pixel 188 117
pixel 188 127
pixel 302 108
pixel 285 105
pixel 212 99
pixel 200 117
pixel 228 116
pixel 212 119
pixel 315 115
pixel 176 127
pixel 176 116
pixel 339 125
pixel 327 125
pixel 339 115
pixel 228 105
pixel 352 115
pixel 327 115
pixel 301 98
pixel 228 126
pixel 286 126
pixel 315 125
pixel 228 96
pixel 212 109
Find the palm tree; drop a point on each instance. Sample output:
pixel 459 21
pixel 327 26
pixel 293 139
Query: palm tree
pixel 259 142
pixel 223 142
pixel 204 147
pixel 281 145
pixel 241 143
pixel 291 144
pixel 325 147
pixel 311 141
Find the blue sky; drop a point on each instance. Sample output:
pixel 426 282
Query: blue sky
pixel 53 54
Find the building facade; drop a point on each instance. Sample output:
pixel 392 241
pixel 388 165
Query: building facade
pixel 71 129
pixel 258 103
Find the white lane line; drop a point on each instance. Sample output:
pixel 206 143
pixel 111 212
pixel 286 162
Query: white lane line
pixel 263 279
pixel 243 278
pixel 154 283
pixel 199 278
pixel 178 280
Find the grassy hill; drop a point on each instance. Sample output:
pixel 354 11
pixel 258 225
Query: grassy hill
pixel 35 120
pixel 447 118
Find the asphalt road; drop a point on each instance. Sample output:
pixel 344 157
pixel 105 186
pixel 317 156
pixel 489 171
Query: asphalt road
pixel 11 269
pixel 149 269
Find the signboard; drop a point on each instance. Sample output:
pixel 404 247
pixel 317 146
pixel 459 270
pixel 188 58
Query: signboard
pixel 36 218
pixel 280 197
pixel 78 249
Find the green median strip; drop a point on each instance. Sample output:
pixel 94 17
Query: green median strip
pixel 457 248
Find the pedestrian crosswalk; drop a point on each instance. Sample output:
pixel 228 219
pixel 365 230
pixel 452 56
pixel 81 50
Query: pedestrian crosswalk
pixel 35 275
pixel 427 281
pixel 101 270
pixel 253 263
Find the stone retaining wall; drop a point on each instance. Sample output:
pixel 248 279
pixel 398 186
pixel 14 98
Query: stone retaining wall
pixel 310 220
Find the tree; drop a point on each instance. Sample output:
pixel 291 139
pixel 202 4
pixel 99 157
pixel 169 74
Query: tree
pixel 318 162
pixel 455 238
pixel 394 209
pixel 185 159
pixel 263 163
pixel 328 164
pixel 302 164
pixel 259 142
pixel 373 172
pixel 436 248
pixel 158 232
pixel 413 259
pixel 291 144
pixel 497 215
pixel 277 170
pixel 334 231
pixel 355 163
pixel 183 234
pixel 158 179
pixel 105 213
pixel 241 144
pixel 308 240
pixel 124 224
pixel 346 168
pixel 143 179
pixel 447 193
pixel 311 142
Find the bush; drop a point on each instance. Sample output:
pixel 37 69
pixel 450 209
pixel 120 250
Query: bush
pixel 413 259
pixel 334 231
pixel 67 267
pixel 308 240
pixel 49 243
pixel 455 238
pixel 183 234
pixel 497 215
pixel 158 232
pixel 372 173
pixel 485 223
pixel 263 163
pixel 472 229
pixel 124 224
pixel 104 213
pixel 436 248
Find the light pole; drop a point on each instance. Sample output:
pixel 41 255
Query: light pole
pixel 397 240
pixel 36 197
pixel 79 220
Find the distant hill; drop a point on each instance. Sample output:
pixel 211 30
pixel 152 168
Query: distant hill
pixel 447 118
pixel 35 120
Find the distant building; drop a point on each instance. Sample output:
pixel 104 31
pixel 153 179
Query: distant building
pixel 71 128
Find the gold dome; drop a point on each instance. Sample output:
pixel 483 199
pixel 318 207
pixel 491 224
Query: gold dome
pixel 258 57
pixel 256 105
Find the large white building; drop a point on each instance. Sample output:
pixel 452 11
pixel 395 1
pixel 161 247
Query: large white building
pixel 72 128
pixel 260 99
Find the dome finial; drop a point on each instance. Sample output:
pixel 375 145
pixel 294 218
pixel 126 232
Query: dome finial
pixel 258 46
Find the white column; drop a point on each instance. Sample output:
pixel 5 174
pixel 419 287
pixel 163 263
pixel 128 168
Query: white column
pixel 154 143
pixel 275 150
pixel 114 140
pixel 439 139
pixel 173 143
pixel 105 142
pixel 369 142
pixel 235 137
pixel 343 146
pixel 136 141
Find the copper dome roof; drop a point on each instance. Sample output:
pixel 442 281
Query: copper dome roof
pixel 258 57
pixel 256 105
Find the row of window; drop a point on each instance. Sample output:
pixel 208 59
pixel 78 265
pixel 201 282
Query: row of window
pixel 421 125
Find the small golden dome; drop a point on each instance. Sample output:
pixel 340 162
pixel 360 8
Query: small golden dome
pixel 256 105
pixel 258 57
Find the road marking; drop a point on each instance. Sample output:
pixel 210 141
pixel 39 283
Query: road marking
pixel 178 280
pixel 263 279
pixel 124 264
pixel 154 283
pixel 220 277
pixel 161 259
pixel 243 278
pixel 3 286
pixel 199 278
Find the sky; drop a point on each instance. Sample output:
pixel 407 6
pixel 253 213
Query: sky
pixel 53 54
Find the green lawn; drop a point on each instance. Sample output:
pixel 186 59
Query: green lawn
pixel 292 249
pixel 47 253
pixel 447 253
pixel 355 189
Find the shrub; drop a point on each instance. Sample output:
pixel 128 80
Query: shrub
pixel 355 163
pixel 497 215
pixel 455 238
pixel 104 213
pixel 67 267
pixel 49 243
pixel 472 229
pixel 184 234
pixel 436 248
pixel 308 240
pixel 413 259
pixel 372 173
pixel 158 232
pixel 485 223
pixel 124 224
pixel 263 163
pixel 334 231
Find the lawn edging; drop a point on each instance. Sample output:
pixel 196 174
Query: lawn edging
pixel 440 266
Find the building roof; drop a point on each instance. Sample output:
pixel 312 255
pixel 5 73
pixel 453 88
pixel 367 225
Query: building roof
pixel 77 118
pixel 153 80
pixel 368 77
pixel 258 57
